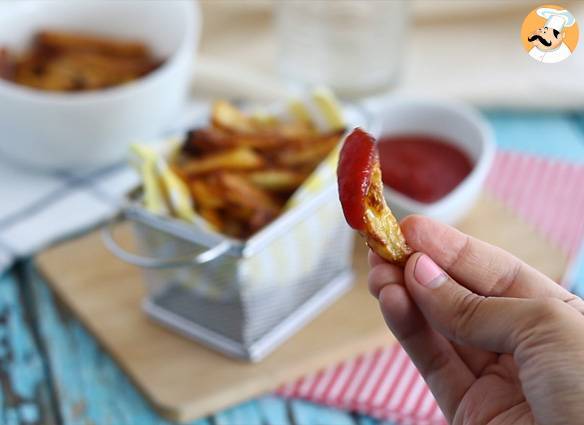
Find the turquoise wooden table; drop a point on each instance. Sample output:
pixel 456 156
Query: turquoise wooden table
pixel 53 372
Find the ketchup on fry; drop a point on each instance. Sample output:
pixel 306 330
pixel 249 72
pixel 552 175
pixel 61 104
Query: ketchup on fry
pixel 425 168
pixel 354 170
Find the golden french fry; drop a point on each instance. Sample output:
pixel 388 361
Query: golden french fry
pixel 242 169
pixel 212 216
pixel 382 230
pixel 60 41
pixel 248 208
pixel 239 159
pixel 277 179
pixel 240 192
pixel 227 117
pixel 7 65
pixel 61 61
pixel 310 154
pixel 361 196
pixel 206 194
pixel 211 139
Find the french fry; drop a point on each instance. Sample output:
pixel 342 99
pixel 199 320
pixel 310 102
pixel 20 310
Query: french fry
pixel 361 195
pixel 211 139
pixel 60 41
pixel 307 155
pixel 238 159
pixel 278 180
pixel 7 65
pixel 240 192
pixel 60 61
pixel 242 169
pixel 227 117
pixel 248 208
pixel 206 194
pixel 213 217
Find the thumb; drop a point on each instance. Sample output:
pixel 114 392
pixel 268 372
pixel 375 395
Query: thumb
pixel 494 324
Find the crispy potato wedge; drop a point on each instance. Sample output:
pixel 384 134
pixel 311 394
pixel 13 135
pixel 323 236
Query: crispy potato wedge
pixel 206 193
pixel 310 154
pixel 59 41
pixel 227 117
pixel 279 180
pixel 238 159
pixel 212 139
pixel 7 65
pixel 241 170
pixel 238 191
pixel 61 61
pixel 213 217
pixel 247 205
pixel 361 195
pixel 382 230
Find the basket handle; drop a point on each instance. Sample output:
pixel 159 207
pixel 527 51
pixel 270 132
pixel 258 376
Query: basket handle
pixel 107 235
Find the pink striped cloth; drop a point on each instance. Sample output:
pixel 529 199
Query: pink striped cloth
pixel 385 383
pixel 547 194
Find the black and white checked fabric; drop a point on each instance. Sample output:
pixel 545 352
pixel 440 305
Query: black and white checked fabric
pixel 38 209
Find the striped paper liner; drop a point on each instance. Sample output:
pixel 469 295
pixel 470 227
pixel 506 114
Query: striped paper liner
pixel 385 383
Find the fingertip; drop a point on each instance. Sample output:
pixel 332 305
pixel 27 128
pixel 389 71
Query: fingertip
pixel 374 259
pixel 412 221
pixel 399 311
pixel 382 275
pixel 409 268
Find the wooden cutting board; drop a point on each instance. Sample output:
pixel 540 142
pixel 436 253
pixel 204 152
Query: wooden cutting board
pixel 184 380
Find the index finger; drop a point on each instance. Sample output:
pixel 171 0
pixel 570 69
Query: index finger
pixel 481 267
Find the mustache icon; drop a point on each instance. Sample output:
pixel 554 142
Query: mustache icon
pixel 541 40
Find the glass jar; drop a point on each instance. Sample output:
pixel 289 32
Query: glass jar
pixel 354 47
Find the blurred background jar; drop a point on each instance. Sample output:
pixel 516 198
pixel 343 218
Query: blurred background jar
pixel 355 48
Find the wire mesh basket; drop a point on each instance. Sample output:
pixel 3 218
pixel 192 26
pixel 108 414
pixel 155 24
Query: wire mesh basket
pixel 243 298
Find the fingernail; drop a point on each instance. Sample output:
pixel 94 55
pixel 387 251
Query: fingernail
pixel 428 274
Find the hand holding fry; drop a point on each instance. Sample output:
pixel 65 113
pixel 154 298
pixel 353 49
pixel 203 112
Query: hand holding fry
pixel 476 320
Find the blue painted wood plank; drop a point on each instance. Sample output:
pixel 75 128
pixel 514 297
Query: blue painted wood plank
pixel 274 410
pixel 24 393
pixel 243 414
pixel 305 413
pixel 368 420
pixel 553 135
pixel 90 387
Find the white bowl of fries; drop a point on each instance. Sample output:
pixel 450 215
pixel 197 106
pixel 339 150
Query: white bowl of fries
pixel 75 130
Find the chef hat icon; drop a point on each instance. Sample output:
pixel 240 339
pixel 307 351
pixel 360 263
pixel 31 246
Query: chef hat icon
pixel 556 19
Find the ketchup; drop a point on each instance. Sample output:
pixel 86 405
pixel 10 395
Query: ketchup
pixel 425 168
pixel 354 171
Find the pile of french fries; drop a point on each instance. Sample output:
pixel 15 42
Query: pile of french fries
pixel 241 169
pixel 65 62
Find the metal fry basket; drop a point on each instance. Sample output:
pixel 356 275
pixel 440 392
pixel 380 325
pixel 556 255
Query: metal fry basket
pixel 242 298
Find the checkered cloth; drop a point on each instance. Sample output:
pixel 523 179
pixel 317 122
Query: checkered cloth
pixel 38 209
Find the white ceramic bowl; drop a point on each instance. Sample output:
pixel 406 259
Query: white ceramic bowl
pixel 52 131
pixel 453 121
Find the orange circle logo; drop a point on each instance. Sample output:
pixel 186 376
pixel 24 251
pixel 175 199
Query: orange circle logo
pixel 549 34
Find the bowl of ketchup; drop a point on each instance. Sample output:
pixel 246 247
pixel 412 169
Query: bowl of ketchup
pixel 434 156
